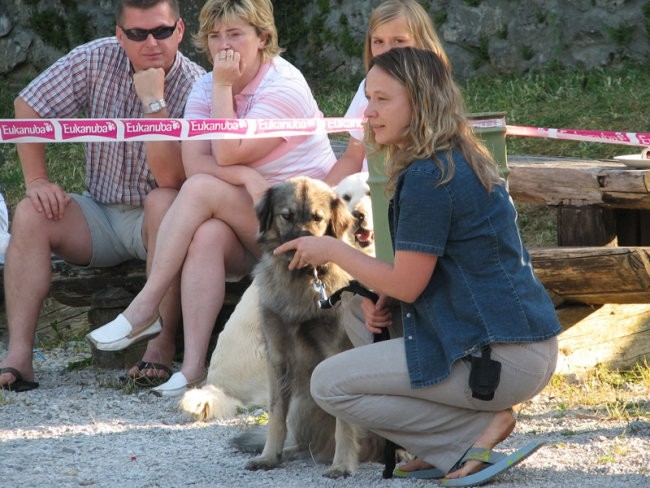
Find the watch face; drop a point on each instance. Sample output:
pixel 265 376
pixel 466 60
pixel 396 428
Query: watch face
pixel 156 106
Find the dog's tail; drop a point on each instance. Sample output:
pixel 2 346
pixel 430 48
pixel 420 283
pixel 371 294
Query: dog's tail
pixel 209 403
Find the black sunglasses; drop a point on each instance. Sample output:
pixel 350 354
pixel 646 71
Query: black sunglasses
pixel 139 35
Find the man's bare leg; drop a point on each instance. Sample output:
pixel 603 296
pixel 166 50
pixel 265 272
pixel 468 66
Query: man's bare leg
pixel 28 273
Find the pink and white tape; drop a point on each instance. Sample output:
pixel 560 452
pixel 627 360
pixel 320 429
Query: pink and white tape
pixel 608 137
pixel 119 130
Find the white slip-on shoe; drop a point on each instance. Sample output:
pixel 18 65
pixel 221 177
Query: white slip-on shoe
pixel 119 334
pixel 176 385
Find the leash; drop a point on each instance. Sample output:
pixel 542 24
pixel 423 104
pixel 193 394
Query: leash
pixel 326 302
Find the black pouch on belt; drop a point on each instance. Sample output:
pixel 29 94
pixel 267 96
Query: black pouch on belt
pixel 484 375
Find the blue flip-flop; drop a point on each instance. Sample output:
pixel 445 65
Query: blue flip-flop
pixel 497 464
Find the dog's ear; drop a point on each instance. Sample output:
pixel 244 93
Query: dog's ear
pixel 341 218
pixel 264 210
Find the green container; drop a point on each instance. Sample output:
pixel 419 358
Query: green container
pixel 489 126
pixel 377 181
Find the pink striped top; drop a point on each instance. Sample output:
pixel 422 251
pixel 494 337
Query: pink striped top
pixel 279 91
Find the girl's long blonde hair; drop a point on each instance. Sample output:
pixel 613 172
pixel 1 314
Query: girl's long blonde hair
pixel 438 122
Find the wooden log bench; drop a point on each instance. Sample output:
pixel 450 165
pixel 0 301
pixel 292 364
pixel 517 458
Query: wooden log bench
pixel 599 276
pixel 101 294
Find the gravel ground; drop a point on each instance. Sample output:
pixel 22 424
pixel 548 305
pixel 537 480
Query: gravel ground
pixel 80 429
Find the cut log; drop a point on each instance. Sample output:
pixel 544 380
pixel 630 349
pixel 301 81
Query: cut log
pixel 612 336
pixel 595 275
pixel 578 182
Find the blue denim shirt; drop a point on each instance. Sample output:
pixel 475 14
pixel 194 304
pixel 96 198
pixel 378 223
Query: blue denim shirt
pixel 483 289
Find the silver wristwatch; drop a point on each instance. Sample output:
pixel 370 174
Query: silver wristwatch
pixel 154 107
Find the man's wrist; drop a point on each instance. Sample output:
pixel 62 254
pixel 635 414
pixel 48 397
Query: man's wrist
pixel 155 106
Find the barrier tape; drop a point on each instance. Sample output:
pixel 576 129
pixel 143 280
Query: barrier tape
pixel 124 130
pixel 608 137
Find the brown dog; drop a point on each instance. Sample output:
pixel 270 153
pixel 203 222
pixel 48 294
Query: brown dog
pixel 298 334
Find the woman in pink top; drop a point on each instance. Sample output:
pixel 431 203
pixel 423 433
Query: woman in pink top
pixel 209 233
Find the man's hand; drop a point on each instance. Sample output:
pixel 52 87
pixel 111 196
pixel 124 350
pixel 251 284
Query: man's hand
pixel 149 85
pixel 48 198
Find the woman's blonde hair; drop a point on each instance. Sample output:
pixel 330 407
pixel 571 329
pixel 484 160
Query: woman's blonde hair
pixel 418 21
pixel 438 121
pixel 258 13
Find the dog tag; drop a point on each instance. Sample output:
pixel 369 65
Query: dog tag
pixel 319 287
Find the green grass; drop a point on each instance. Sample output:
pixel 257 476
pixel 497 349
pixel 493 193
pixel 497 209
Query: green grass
pixel 613 99
pixel 603 393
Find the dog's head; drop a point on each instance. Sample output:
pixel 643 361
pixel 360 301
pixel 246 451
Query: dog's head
pixel 355 192
pixel 300 207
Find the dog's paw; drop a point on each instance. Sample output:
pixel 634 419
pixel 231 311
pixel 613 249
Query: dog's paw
pixel 263 463
pixel 337 472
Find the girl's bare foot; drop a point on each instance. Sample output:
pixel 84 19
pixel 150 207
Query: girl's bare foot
pixel 499 429
pixel 415 465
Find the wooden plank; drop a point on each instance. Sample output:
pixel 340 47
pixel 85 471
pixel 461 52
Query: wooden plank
pixel 578 182
pixel 595 275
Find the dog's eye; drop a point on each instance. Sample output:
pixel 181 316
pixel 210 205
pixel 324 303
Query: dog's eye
pixel 347 197
pixel 288 216
pixel 318 216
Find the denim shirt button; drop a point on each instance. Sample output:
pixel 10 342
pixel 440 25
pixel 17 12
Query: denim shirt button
pixel 408 315
pixel 410 338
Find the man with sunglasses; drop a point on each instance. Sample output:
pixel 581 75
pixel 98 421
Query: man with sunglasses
pixel 138 73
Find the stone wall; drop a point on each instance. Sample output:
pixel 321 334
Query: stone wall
pixel 488 37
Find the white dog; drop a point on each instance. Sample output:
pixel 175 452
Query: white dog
pixel 237 377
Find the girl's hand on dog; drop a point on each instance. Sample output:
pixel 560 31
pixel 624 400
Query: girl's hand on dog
pixel 310 251
pixel 378 315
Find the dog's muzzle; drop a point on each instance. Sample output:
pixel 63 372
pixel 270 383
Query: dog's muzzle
pixel 363 236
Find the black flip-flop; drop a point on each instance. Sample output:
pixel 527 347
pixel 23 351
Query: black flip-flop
pixel 19 384
pixel 146 381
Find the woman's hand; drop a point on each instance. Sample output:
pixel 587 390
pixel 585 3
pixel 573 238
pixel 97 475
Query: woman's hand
pixel 310 251
pixel 227 68
pixel 378 315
